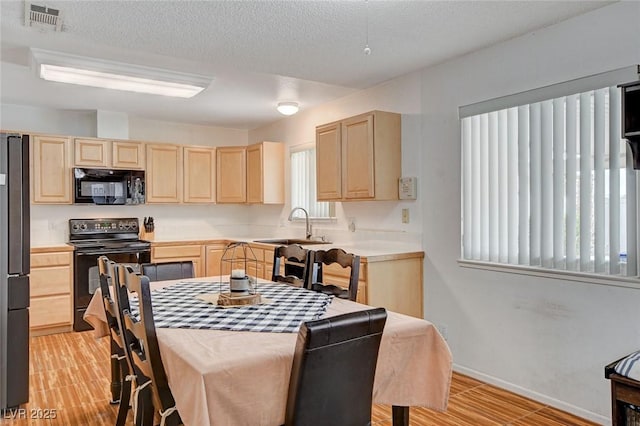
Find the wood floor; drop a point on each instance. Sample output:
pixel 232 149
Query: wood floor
pixel 70 381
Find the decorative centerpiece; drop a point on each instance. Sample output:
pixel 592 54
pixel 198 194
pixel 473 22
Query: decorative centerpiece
pixel 239 282
pixel 237 260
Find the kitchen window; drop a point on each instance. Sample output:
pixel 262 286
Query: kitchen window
pixel 303 184
pixel 550 183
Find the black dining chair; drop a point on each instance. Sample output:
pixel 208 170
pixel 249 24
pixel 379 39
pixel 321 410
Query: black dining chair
pixel 333 370
pixel 145 352
pixel 342 258
pixel 167 270
pixel 142 402
pixel 292 265
pixel 120 386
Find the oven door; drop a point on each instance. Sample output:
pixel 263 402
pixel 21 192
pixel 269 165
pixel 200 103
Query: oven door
pixel 87 278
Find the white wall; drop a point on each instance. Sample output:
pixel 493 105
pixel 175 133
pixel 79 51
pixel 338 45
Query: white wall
pixel 27 118
pixel 184 134
pixel 548 338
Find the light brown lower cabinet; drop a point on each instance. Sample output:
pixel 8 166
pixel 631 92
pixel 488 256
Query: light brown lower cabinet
pixel 393 282
pixel 51 288
pixel 213 256
pixel 161 252
pixel 396 283
pixel 261 268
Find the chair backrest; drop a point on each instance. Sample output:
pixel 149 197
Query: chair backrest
pixel 106 271
pixel 143 341
pixel 334 368
pixel 342 258
pixel 142 399
pixel 295 261
pixel 168 270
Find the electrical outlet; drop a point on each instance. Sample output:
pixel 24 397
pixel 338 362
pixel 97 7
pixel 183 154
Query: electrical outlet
pixel 405 215
pixel 51 225
pixel 442 328
pixel 352 224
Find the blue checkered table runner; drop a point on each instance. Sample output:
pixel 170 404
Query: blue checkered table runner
pixel 176 306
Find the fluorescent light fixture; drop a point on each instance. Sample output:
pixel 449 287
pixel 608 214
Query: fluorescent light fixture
pixel 64 68
pixel 287 108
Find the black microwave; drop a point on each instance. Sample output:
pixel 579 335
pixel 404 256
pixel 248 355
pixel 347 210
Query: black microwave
pixel 104 186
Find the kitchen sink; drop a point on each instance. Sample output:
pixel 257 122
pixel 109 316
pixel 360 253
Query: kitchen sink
pixel 288 241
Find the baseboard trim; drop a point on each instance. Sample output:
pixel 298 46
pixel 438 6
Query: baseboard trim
pixel 544 399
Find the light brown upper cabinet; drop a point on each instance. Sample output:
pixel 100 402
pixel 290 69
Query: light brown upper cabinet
pixel 108 154
pixel 231 174
pixel 265 173
pixel 359 158
pixel 199 174
pixel 51 170
pixel 329 162
pixel 164 173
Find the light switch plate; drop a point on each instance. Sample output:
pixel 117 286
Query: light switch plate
pixel 405 215
pixel 3 179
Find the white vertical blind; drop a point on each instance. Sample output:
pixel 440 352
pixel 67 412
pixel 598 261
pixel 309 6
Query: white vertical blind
pixel 585 182
pixel 503 181
pixel 535 187
pixel 542 186
pixel 303 183
pixel 571 178
pixel 467 177
pixel 524 183
pixel 632 211
pixel 484 187
pixel 494 188
pixel 559 186
pixel 476 188
pixel 599 134
pixel 546 179
pixel 512 190
pixel 614 180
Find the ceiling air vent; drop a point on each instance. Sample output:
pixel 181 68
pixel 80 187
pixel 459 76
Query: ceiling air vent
pixel 42 16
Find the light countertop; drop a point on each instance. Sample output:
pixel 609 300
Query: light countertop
pixel 372 249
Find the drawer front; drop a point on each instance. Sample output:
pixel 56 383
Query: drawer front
pixel 338 271
pixel 49 281
pixel 39 260
pixel 176 251
pixel 51 310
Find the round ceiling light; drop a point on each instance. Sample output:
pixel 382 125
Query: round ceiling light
pixel 287 108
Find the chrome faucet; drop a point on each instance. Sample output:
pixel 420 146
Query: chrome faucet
pixel 306 215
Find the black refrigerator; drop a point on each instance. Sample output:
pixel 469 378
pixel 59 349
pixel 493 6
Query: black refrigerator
pixel 14 270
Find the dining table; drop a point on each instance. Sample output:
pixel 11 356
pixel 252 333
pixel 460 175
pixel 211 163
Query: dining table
pixel 225 375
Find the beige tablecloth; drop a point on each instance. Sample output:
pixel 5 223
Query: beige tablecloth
pixel 241 378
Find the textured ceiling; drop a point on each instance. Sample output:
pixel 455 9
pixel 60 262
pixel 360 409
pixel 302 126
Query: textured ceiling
pixel 258 52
